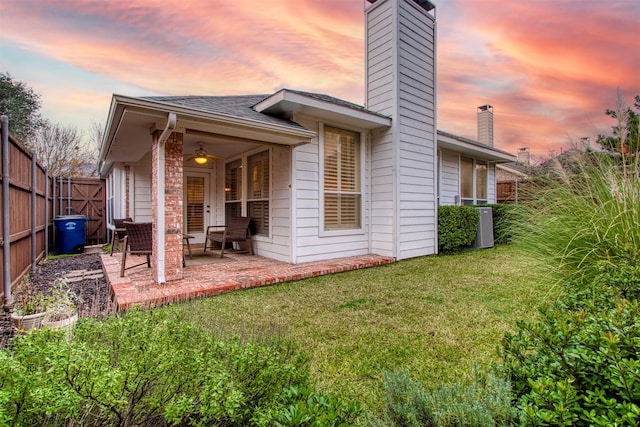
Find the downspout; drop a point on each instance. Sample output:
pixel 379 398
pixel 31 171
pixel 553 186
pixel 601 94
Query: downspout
pixel 6 229
pixel 160 224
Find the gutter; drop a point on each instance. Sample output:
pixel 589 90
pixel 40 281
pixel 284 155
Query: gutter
pixel 160 220
pixel 227 118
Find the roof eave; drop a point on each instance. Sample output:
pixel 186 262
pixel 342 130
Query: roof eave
pixel 187 112
pixel 123 107
pixel 473 148
pixel 287 103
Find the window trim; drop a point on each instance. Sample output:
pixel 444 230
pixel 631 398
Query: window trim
pixel 244 199
pixel 268 199
pixel 323 232
pixel 474 191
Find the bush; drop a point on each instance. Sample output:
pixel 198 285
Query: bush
pixel 578 367
pixel 578 364
pixel 148 368
pixel 457 226
pixel 317 410
pixel 485 402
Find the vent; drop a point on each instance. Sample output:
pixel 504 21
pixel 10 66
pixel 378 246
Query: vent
pixel 484 234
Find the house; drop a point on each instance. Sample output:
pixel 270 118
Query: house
pixel 320 177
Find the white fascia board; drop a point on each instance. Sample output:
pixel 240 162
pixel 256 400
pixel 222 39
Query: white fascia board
pixel 288 102
pixel 220 117
pixel 513 171
pixel 473 149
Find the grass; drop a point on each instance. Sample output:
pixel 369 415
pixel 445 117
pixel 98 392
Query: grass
pixel 432 317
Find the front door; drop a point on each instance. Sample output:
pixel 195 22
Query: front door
pixel 197 205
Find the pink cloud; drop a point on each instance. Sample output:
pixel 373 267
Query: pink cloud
pixel 549 68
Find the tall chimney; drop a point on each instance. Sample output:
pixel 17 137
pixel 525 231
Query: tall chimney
pixel 524 157
pixel 485 124
pixel 401 83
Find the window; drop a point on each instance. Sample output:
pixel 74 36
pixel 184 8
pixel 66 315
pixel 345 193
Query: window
pixel 233 189
pixel 466 180
pixel 473 181
pixel 258 191
pixel 253 198
pixel 195 204
pixel 342 194
pixel 481 182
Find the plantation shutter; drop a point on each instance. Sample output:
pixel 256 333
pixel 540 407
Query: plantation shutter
pixel 233 189
pixel 341 179
pixel 258 192
pixel 195 204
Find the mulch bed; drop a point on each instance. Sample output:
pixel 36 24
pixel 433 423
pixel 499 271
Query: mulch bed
pixel 92 295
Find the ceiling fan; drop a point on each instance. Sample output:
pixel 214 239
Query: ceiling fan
pixel 201 156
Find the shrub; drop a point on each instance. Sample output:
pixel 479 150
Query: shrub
pixel 317 410
pixel 578 367
pixel 578 364
pixel 457 226
pixel 152 368
pixel 484 402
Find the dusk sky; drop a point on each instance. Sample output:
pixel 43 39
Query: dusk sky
pixel 550 68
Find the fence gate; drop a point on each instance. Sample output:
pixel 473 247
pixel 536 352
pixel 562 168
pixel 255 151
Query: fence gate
pixel 83 196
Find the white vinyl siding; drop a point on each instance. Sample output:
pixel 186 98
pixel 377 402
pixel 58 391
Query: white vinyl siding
pixel 449 178
pixel 141 203
pixel 310 240
pixel 400 44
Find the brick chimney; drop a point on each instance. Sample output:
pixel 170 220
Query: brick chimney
pixel 485 124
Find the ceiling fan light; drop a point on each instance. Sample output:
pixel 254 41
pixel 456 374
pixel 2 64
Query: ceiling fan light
pixel 201 160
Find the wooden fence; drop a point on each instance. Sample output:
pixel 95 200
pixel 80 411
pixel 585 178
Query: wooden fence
pixel 26 183
pixel 34 200
pixel 512 192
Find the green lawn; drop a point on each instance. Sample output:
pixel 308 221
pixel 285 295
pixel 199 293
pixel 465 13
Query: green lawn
pixel 432 317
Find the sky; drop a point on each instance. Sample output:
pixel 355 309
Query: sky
pixel 549 68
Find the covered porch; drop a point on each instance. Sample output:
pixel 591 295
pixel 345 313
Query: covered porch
pixel 208 275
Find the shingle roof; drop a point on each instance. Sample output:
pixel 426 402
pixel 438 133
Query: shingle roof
pixel 336 101
pixel 237 106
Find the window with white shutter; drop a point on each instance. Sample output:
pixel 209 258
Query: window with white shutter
pixel 233 189
pixel 342 187
pixel 258 191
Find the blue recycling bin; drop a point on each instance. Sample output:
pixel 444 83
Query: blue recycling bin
pixel 71 233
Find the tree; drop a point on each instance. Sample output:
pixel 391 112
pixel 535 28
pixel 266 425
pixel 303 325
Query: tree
pixel 22 106
pixel 626 134
pixel 59 148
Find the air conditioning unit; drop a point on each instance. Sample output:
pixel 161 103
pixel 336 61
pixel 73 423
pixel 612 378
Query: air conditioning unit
pixel 484 234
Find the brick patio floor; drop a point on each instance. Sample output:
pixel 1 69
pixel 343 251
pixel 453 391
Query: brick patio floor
pixel 207 275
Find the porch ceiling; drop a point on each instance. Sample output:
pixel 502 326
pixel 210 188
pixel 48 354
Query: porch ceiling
pixel 132 122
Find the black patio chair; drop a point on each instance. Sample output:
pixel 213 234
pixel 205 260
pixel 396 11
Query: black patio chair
pixel 118 232
pixel 236 231
pixel 137 242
